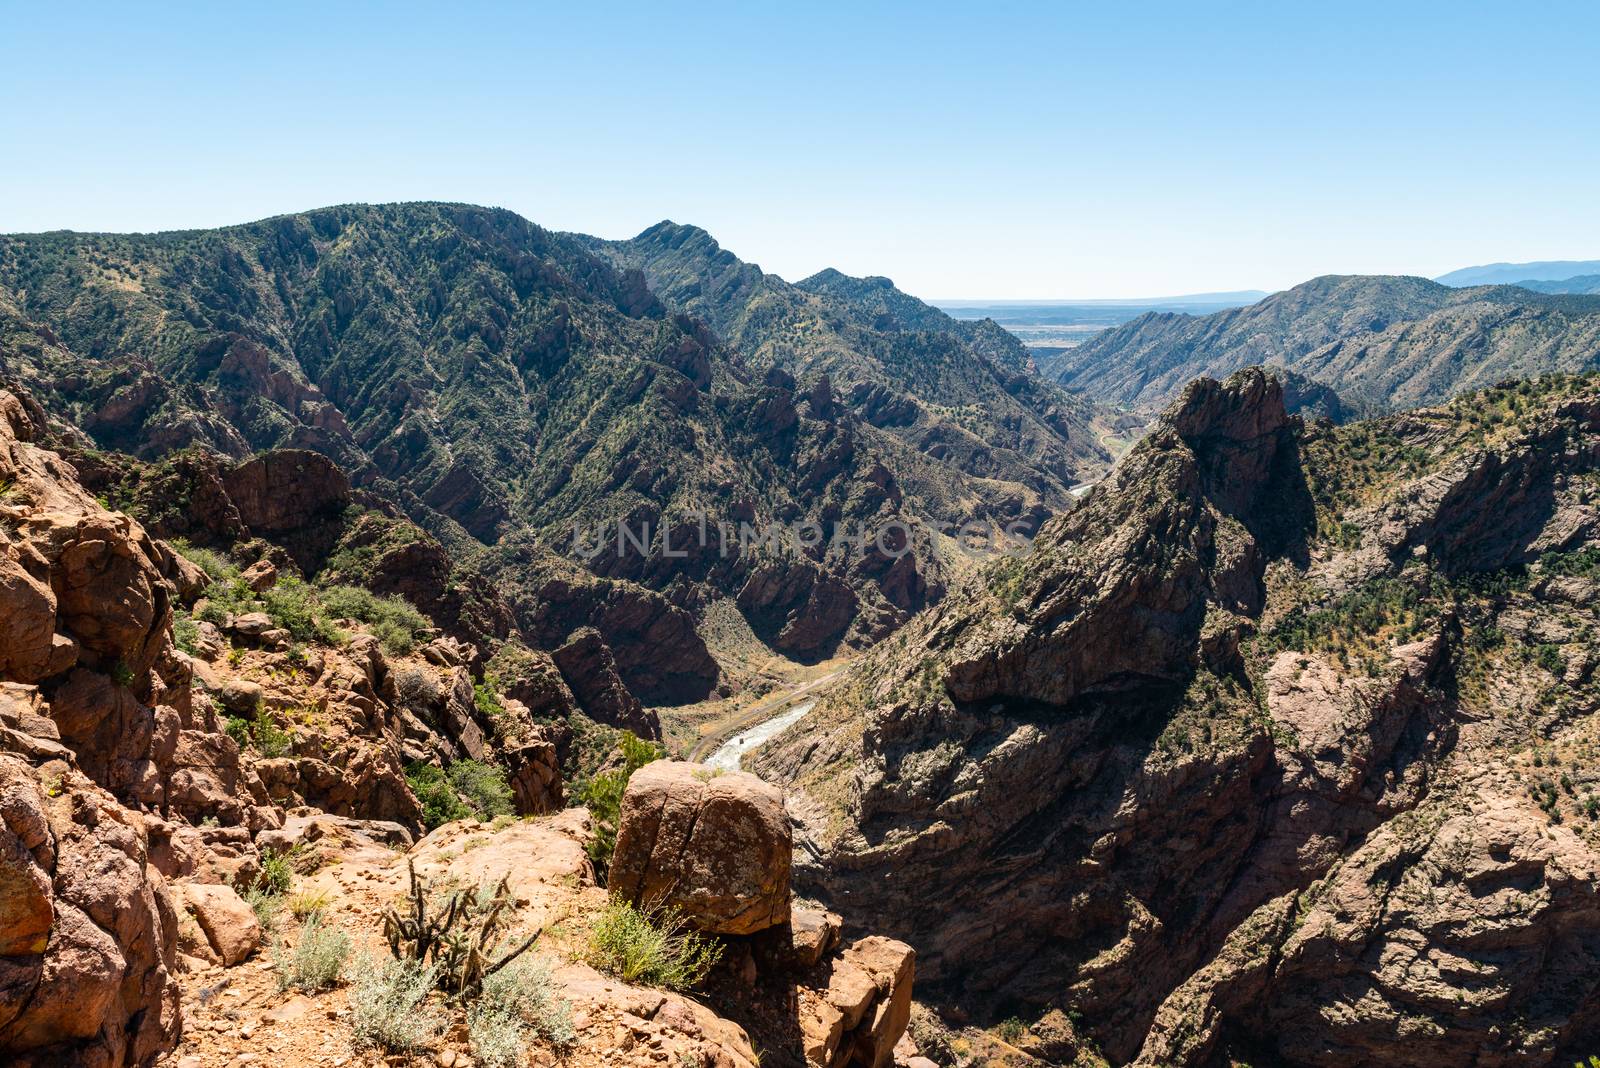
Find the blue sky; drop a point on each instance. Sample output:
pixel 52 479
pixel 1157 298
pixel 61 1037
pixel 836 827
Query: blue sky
pixel 1007 150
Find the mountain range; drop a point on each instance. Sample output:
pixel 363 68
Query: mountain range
pixel 506 386
pixel 1516 273
pixel 1377 342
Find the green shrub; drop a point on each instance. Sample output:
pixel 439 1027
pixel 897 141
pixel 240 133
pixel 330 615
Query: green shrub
pixel 602 795
pixel 218 568
pixel 224 598
pixel 1011 1030
pixel 440 802
pixel 271 739
pixel 268 908
pixel 656 948
pixel 296 608
pixel 468 790
pixel 397 625
pixel 185 632
pixel 316 960
pixel 237 728
pixel 389 1007
pixel 277 873
pixel 484 787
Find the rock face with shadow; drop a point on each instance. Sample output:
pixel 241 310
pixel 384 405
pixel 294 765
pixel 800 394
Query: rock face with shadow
pixel 1236 765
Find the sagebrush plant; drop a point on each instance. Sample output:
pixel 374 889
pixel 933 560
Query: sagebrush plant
pixel 651 946
pixel 389 1007
pixel 602 795
pixel 316 960
pixel 514 1002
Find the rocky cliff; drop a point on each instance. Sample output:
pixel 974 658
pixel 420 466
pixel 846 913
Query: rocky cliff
pixel 1272 751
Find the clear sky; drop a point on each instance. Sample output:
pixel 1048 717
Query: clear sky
pixel 985 151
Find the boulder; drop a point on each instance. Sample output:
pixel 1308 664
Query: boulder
pixel 229 924
pixel 260 575
pixel 241 697
pixel 862 1012
pixel 715 845
pixel 314 827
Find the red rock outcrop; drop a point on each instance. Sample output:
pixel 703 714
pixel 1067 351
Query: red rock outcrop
pixel 714 845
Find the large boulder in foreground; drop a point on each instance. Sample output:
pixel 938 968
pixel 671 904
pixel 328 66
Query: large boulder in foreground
pixel 715 845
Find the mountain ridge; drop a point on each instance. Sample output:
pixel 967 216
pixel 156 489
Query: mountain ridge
pixel 1379 342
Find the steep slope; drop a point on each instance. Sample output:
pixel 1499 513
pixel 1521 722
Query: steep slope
pixel 1379 342
pixel 506 387
pixel 959 392
pixel 1236 763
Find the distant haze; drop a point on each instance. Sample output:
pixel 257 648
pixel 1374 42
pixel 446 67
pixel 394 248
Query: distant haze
pixel 1494 274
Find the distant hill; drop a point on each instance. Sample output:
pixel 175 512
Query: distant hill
pixel 1380 342
pixel 1516 273
pixel 1583 283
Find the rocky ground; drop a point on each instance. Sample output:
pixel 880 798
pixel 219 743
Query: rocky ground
pixel 211 773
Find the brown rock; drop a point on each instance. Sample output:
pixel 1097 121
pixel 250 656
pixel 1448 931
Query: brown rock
pixel 259 576
pixel 229 924
pixel 99 990
pixel 535 775
pixel 715 845
pixel 862 1014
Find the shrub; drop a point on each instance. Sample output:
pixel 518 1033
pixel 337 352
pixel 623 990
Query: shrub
pixel 1011 1030
pixel 528 990
pixel 652 947
pixel 440 803
pixel 225 597
pixel 397 624
pixel 307 903
pixel 268 909
pixel 603 796
pixel 185 632
pixel 388 1006
pixel 514 1001
pixel 316 960
pixel 468 790
pixel 277 874
pixel 238 729
pixel 271 739
pixel 484 786
pixel 218 568
pixel 295 607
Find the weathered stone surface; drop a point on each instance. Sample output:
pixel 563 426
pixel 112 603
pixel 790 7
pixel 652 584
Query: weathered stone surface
pixel 715 845
pixel 89 933
pixel 534 772
pixel 863 1011
pixel 229 924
